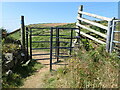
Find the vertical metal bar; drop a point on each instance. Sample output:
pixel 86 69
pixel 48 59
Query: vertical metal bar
pixel 51 47
pixel 27 43
pixel 30 44
pixel 112 36
pixel 57 44
pixel 108 36
pixel 71 41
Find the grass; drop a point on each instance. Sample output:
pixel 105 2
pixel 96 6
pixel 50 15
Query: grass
pixel 16 35
pixel 20 73
pixel 87 69
pixel 47 38
pixel 90 67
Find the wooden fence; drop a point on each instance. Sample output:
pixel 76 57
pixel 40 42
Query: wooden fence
pixel 108 28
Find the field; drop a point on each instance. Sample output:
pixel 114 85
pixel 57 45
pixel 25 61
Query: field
pixel 89 67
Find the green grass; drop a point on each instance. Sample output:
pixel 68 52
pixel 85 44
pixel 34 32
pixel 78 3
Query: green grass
pixel 16 35
pixel 20 73
pixel 47 38
pixel 87 69
pixel 90 67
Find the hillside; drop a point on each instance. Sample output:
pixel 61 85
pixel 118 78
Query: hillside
pixel 89 67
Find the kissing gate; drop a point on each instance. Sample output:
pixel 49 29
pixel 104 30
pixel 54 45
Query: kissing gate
pixel 56 42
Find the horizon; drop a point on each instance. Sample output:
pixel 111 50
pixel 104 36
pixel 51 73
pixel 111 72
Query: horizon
pixel 52 12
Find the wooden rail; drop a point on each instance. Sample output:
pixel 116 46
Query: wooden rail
pixel 95 16
pixel 93 23
pixel 106 36
pixel 91 37
pixel 92 30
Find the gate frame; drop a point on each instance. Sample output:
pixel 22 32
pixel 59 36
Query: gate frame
pixel 108 28
pixel 57 47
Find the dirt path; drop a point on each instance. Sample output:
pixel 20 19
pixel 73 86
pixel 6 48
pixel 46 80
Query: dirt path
pixel 36 80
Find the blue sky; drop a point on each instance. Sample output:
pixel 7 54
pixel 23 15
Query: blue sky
pixel 51 12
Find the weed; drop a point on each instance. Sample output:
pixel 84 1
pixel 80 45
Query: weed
pixel 19 74
pixel 88 69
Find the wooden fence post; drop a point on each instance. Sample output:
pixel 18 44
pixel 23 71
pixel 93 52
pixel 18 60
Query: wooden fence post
pixel 79 21
pixel 80 15
pixel 22 33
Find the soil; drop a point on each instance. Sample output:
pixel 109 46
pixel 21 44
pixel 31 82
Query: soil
pixel 36 80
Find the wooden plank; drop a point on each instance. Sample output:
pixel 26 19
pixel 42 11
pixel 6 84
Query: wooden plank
pixel 93 23
pixel 116 41
pixel 92 38
pixel 13 32
pixel 95 16
pixel 117 31
pixel 92 30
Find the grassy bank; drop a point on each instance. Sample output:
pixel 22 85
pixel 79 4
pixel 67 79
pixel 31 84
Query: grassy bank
pixel 86 69
pixel 19 74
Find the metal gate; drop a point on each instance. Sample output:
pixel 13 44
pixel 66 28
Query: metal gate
pixel 55 40
pixel 115 36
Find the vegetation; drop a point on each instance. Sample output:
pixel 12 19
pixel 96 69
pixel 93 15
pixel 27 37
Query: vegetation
pixel 19 74
pixel 15 78
pixel 87 69
pixel 90 67
pixel 16 35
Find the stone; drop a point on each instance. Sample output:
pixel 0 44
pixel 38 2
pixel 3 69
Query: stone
pixel 9 56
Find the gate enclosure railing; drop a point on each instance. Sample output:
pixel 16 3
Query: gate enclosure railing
pixel 107 38
pixel 55 40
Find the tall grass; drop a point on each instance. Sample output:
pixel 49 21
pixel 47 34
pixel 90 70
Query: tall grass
pixel 87 69
pixel 20 73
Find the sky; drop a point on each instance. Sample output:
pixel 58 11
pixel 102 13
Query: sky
pixel 51 12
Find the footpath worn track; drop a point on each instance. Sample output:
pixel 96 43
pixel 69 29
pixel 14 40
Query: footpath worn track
pixel 36 80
